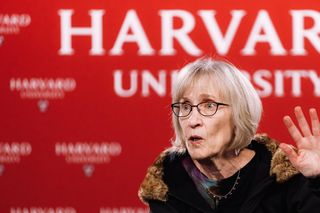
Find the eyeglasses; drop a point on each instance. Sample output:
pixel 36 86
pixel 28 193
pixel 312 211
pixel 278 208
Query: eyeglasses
pixel 207 108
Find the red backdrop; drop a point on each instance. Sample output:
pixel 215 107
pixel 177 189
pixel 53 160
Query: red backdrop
pixel 85 88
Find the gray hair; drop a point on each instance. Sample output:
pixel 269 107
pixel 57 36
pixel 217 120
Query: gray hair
pixel 233 87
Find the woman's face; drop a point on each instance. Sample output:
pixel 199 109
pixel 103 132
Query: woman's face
pixel 205 136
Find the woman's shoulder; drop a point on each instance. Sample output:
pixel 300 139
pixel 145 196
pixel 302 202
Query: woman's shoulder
pixel 280 166
pixel 153 187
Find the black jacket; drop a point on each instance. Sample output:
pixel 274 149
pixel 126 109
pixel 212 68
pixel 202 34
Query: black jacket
pixel 273 186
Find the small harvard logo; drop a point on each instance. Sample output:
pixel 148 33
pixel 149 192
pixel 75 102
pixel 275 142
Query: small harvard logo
pixel 12 153
pixel 42 89
pixel 88 153
pixel 12 24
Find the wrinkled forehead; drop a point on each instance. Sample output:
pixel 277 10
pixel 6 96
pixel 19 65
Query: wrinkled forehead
pixel 201 85
pixel 203 88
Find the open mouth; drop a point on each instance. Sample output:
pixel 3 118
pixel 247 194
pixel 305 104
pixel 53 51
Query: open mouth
pixel 195 138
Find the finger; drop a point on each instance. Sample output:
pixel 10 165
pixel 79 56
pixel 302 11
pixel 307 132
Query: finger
pixel 293 130
pixel 303 124
pixel 314 122
pixel 290 152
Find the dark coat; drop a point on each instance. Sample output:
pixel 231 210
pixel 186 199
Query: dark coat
pixel 276 186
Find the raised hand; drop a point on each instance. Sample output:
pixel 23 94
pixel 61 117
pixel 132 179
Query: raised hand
pixel 305 157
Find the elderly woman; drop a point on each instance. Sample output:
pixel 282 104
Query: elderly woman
pixel 217 164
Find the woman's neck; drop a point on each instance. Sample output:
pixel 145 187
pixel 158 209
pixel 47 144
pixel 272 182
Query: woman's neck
pixel 224 166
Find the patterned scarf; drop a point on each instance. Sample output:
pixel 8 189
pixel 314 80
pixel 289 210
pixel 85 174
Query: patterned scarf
pixel 201 181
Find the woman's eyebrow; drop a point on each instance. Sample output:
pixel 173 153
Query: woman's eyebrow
pixel 184 99
pixel 204 96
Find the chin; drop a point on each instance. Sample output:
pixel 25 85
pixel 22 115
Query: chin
pixel 196 155
pixel 201 154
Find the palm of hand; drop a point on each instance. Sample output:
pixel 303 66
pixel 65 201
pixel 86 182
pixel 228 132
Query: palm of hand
pixel 306 157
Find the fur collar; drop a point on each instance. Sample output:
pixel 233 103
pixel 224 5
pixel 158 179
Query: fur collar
pixel 154 188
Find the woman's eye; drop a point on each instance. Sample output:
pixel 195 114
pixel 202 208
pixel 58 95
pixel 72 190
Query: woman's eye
pixel 185 106
pixel 210 105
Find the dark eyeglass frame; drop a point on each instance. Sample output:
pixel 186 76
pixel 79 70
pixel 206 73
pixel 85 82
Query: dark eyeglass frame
pixel 177 105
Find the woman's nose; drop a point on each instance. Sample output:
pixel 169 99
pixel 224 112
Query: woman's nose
pixel 195 119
